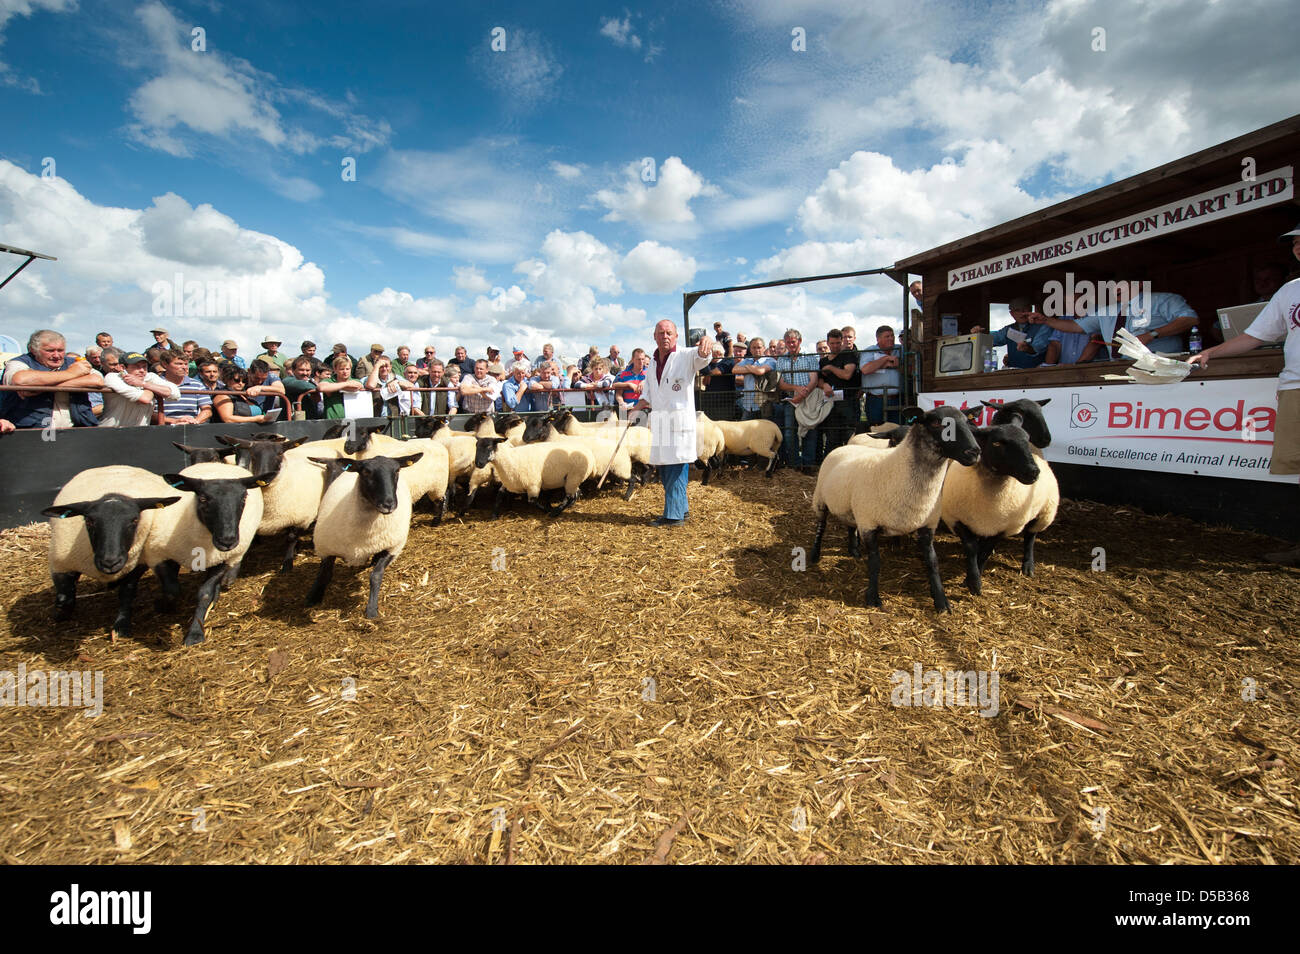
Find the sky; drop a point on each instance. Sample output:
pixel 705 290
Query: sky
pixel 497 174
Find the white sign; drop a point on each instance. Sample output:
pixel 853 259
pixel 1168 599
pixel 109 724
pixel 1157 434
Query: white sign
pixel 1268 189
pixel 1220 427
pixel 358 404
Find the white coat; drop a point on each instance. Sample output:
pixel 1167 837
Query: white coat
pixel 672 406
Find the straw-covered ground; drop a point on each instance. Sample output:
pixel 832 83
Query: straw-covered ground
pixel 588 689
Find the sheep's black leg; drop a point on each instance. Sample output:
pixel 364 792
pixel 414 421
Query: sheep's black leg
pixel 704 472
pixel 987 546
pixel 496 504
pixel 208 591
pixel 65 592
pixel 169 581
pixel 440 511
pixel 771 466
pixel 468 502
pixel 292 536
pixel 377 567
pixel 970 543
pixel 450 496
pixel 854 551
pixel 317 592
pixel 126 590
pixel 815 553
pixel 231 574
pixel 631 484
pixel 564 505
pixel 872 538
pixel 925 541
pixel 1027 566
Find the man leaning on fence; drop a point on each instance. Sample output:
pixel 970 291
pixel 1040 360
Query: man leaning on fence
pixel 47 364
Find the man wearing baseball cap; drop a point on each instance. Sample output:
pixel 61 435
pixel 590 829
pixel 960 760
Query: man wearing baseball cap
pixel 129 400
pixel 1279 321
pixel 495 367
pixel 228 354
pixel 272 354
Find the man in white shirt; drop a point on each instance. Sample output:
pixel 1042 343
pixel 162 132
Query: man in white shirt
pixel 1279 320
pixel 129 400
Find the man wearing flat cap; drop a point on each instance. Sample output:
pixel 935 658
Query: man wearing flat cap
pixel 1279 321
pixel 367 364
pixel 229 349
pixel 160 340
pixel 272 354
pixel 495 367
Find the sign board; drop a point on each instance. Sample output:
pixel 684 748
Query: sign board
pixel 358 404
pixel 1231 199
pixel 1220 427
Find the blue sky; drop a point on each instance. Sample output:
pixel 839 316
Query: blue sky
pixel 505 196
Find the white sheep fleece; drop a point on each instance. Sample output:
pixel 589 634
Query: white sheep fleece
pixel 993 506
pixel 897 491
pixel 293 497
pixel 70 549
pixel 750 437
pixel 532 468
pixel 428 475
pixel 177 531
pixel 709 441
pixel 636 443
pixel 349 528
pixel 603 450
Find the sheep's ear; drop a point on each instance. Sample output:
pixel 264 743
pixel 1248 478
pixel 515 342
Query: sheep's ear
pixel 991 404
pixel 495 440
pixel 1044 401
pixel 155 503
pixel 261 480
pixel 911 415
pixel 409 459
pixel 293 444
pixel 179 481
pixel 64 511
pixel 882 436
pixel 333 431
pixel 342 463
pixel 973 414
pixel 182 447
pixel 233 441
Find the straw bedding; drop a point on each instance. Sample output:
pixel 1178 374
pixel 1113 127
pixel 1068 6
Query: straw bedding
pixel 588 689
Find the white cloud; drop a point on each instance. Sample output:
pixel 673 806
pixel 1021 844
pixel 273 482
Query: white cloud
pixel 566 171
pixel 25 8
pixel 663 200
pixel 526 72
pixel 651 268
pixel 201 94
pixel 571 261
pixel 470 279
pixel 620 31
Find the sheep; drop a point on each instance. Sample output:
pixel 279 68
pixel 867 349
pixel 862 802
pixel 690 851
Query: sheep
pixel 897 491
pixel 203 455
pixel 211 528
pixel 1028 414
pixel 364 515
pixel 430 476
pixel 710 446
pixel 103 534
pixel 893 433
pixel 1011 490
pixel 345 439
pixel 608 456
pixel 635 438
pixel 531 468
pixel 752 437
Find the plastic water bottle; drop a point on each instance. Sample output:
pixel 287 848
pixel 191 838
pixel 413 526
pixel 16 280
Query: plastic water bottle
pixel 990 361
pixel 1194 342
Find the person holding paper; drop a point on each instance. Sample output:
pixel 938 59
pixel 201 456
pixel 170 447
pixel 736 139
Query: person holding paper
pixel 1025 341
pixel 337 385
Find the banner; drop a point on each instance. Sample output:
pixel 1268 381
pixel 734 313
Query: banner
pixel 1267 189
pixel 1220 427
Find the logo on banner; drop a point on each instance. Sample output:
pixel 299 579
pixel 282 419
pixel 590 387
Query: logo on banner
pixel 1082 414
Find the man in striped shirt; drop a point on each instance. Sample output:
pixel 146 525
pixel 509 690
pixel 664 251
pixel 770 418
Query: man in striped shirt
pixel 188 408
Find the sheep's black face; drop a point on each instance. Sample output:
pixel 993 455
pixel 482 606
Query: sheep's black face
pixel 111 524
pixel 486 449
pixel 1005 451
pixel 537 429
pixel 220 503
pixel 1028 414
pixel 377 479
pixel 428 426
pixel 951 431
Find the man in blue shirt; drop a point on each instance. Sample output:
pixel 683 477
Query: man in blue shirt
pixel 799 375
pixel 1158 319
pixel 1030 352
pixel 881 378
pixel 754 368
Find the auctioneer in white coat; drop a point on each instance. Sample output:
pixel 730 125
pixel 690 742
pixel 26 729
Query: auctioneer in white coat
pixel 672 406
